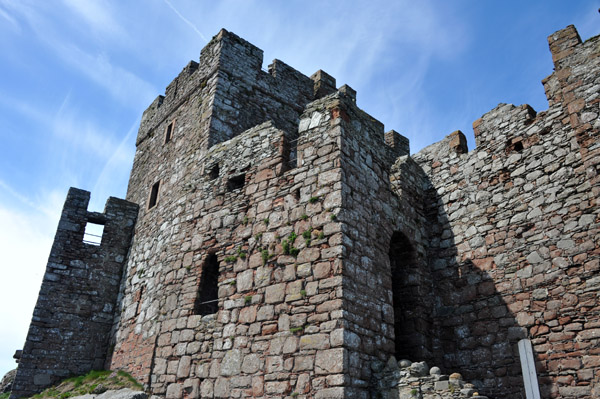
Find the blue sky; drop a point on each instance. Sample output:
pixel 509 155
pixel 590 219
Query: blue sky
pixel 77 75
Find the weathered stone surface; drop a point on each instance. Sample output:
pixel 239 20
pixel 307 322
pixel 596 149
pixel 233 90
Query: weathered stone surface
pixel 125 393
pixel 7 380
pixel 232 363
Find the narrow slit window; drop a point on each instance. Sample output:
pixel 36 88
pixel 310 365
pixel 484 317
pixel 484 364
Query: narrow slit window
pixel 214 172
pixel 93 233
pixel 169 131
pixel 207 300
pixel 153 199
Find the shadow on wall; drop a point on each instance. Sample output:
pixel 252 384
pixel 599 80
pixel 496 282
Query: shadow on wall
pixel 447 310
pixel 475 332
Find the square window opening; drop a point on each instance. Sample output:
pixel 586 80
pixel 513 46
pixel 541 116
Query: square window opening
pixel 236 182
pixel 93 233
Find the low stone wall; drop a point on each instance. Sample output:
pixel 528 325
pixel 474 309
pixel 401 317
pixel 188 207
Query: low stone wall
pixel 407 380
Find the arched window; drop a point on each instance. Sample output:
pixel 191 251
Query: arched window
pixel 207 300
pixel 412 314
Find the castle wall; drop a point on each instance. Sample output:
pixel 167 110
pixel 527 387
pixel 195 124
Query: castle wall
pixel 279 303
pixel 228 199
pixel 518 256
pixel 286 246
pixel 69 331
pixel 446 256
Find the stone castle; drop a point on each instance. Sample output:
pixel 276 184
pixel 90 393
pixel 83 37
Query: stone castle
pixel 275 242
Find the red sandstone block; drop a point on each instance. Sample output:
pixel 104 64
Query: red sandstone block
pixel 257 386
pixel 484 264
pixel 591 361
pixel 593 333
pixel 269 329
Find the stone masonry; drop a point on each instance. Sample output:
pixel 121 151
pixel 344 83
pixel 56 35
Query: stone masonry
pixel 72 319
pixel 285 246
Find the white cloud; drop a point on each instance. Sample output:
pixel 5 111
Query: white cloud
pixel 12 21
pixel 98 16
pixel 184 19
pixel 91 61
pixel 25 240
pixel 123 85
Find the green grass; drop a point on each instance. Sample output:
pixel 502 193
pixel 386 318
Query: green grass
pixel 307 234
pixel 101 380
pixel 286 247
pixel 265 256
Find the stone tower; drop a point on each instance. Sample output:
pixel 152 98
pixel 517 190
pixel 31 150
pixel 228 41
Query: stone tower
pixel 285 246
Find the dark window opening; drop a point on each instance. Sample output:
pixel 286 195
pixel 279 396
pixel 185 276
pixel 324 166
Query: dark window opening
pixel 214 172
pixel 138 299
pixel 153 195
pixel 207 300
pixel 412 324
pixel 93 233
pixel 514 145
pixel 169 132
pixel 236 182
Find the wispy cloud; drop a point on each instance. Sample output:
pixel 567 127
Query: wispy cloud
pixel 6 16
pixel 25 241
pixel 123 85
pixel 112 180
pixel 98 16
pixel 184 19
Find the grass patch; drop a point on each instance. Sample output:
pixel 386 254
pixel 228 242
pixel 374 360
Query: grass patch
pixel 294 330
pixel 265 256
pixel 96 381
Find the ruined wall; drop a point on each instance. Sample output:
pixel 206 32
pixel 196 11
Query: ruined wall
pixel 518 254
pixel 69 331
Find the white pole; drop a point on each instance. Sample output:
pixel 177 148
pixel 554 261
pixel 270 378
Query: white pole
pixel 532 390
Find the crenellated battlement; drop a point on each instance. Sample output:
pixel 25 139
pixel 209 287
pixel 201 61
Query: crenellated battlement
pixel 232 92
